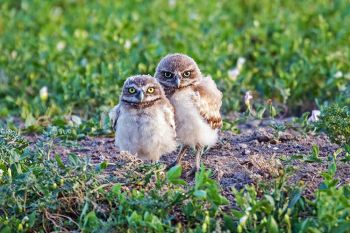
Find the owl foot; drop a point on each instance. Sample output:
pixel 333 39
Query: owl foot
pixel 199 152
pixel 182 152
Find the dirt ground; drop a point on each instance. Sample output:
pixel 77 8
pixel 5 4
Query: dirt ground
pixel 256 154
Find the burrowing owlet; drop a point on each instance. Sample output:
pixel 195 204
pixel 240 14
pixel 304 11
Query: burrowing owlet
pixel 196 100
pixel 144 119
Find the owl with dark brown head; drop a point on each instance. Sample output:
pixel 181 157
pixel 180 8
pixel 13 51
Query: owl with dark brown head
pixel 196 100
pixel 144 119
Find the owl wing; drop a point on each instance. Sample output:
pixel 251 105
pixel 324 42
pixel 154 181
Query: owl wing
pixel 169 114
pixel 114 115
pixel 208 101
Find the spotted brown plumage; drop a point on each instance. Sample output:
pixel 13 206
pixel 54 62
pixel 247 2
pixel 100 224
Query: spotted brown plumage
pixel 209 101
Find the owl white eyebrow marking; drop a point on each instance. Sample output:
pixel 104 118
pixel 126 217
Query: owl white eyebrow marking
pixel 132 85
pixel 163 71
pixel 191 70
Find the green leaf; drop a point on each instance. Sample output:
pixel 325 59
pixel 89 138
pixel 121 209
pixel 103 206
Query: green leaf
pixel 116 189
pixel 134 218
pixel 270 200
pixel 101 166
pixel 59 161
pixel 342 228
pixel 295 198
pixel 73 158
pixel 174 173
pixel 200 193
pixel 91 220
pixel 272 225
pixel 178 181
pixel 32 219
pixel 347 148
pixel 6 229
pixel 315 151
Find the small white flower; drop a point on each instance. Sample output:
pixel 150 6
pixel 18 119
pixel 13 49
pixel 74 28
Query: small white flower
pixel 243 220
pixel 339 74
pixel 127 44
pixel 60 45
pixel 248 97
pixel 57 12
pixel 314 116
pixel 240 63
pixel 80 33
pixel 14 54
pixel 1 172
pixel 233 73
pixel 44 93
pixel 256 23
pixel 76 120
pixel 84 62
pixel 230 48
pixel 172 3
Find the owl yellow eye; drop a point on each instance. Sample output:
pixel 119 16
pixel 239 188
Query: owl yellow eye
pixel 150 90
pixel 187 74
pixel 168 74
pixel 131 90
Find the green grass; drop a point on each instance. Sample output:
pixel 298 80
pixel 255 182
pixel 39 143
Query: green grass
pixel 39 193
pixel 84 50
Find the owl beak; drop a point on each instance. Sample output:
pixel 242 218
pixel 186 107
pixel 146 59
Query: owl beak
pixel 177 81
pixel 140 96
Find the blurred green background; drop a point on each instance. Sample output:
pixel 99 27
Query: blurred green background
pixel 296 53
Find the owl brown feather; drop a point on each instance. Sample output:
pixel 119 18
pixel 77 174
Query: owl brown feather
pixel 114 115
pixel 208 102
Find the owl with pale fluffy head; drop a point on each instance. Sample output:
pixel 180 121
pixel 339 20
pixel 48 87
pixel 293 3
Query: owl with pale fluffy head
pixel 144 119
pixel 196 101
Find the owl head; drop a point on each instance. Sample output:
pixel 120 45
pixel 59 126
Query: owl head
pixel 141 91
pixel 177 71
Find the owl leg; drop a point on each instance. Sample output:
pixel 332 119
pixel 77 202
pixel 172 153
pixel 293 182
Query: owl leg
pixel 199 152
pixel 182 152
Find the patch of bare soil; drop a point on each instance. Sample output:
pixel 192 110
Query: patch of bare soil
pixel 257 154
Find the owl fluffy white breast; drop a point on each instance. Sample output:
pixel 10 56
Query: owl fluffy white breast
pixel 144 119
pixel 192 128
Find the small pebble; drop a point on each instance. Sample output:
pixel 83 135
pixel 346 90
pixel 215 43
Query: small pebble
pixel 246 152
pixel 243 146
